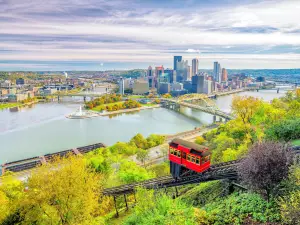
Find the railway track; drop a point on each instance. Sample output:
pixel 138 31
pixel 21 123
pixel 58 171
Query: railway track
pixel 221 171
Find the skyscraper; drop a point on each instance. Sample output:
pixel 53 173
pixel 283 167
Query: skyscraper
pixel 195 64
pixel 176 59
pixel 198 84
pixel 159 70
pixel 224 75
pixel 121 86
pixel 217 72
pixel 172 75
pixel 150 77
pixel 182 72
pixel 149 72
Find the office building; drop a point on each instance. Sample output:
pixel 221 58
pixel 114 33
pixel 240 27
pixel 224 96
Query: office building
pixel 164 88
pixel 182 72
pixel 150 77
pixel 20 81
pixel 187 85
pixel 207 89
pixel 195 64
pixel 140 87
pixel 176 59
pixel 159 70
pixel 217 72
pixel 128 83
pixel 224 75
pixel 198 84
pixel 121 86
pixel 149 72
pixel 171 74
pixel 176 86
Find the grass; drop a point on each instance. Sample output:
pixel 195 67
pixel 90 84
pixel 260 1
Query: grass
pixel 123 215
pixel 103 107
pixel 9 105
pixel 136 96
pixel 296 142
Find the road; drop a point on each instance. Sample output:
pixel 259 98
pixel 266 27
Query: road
pixel 155 154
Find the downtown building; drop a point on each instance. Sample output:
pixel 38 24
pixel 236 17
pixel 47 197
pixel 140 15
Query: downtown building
pixel 121 86
pixel 150 77
pixel 217 72
pixel 195 65
pixel 176 60
pixel 183 71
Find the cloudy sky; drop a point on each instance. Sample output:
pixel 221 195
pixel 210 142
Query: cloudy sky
pixel 126 34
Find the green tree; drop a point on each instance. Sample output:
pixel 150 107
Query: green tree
pixel 290 202
pixel 285 130
pixel 199 140
pixel 139 141
pixel 130 172
pixel 123 148
pixel 142 155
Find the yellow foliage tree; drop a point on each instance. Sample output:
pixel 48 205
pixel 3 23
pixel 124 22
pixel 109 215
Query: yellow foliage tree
pixel 244 107
pixel 4 206
pixel 63 192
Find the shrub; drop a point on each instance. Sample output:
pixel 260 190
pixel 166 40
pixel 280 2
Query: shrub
pixel 199 140
pixel 160 211
pixel 285 130
pixel 236 208
pixel 266 165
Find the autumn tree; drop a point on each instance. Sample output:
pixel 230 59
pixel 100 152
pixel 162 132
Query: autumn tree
pixel 63 192
pixel 244 107
pixel 265 166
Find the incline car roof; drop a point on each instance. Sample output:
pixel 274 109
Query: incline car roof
pixel 189 145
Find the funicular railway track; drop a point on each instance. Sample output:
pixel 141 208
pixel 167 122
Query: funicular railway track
pixel 221 171
pixel 216 172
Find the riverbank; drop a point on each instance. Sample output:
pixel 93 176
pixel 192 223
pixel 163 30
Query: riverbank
pixel 127 110
pixel 12 105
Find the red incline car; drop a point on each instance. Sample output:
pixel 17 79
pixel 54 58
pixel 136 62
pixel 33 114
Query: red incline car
pixel 187 157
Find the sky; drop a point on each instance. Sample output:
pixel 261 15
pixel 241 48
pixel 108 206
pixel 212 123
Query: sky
pixel 127 34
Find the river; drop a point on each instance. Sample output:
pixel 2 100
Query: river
pixel 43 128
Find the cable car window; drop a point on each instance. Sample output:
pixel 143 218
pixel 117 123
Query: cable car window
pixel 198 161
pixel 178 153
pixel 184 155
pixel 171 151
pixel 193 159
pixel 189 158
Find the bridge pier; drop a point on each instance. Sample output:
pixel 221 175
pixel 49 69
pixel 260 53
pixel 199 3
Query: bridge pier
pixel 116 207
pixel 277 90
pixel 126 202
pixel 214 118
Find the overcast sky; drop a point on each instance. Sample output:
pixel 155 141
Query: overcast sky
pixel 126 34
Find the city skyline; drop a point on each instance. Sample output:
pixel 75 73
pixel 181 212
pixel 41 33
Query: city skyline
pixel 104 35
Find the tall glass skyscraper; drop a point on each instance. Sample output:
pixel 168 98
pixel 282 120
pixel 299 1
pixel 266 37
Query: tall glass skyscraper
pixel 177 59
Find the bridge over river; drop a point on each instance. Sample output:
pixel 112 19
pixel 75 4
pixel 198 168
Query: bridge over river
pixel 187 101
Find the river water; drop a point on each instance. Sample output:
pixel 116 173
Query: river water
pixel 43 128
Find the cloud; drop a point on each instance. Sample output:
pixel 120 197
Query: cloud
pixel 144 31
